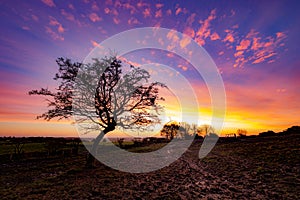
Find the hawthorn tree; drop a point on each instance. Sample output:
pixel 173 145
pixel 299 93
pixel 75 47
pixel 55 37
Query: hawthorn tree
pixel 101 95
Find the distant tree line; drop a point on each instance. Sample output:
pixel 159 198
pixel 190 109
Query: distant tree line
pixel 184 130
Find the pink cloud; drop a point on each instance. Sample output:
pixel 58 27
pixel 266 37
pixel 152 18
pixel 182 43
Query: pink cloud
pixel 68 16
pixel 125 60
pixel 263 57
pixel 54 22
pixel 229 37
pixel 147 13
pixel 189 31
pixel 158 14
pixel 142 4
pixel 116 20
pixel 53 34
pixel 169 12
pixel 238 53
pixel 204 30
pixel 95 44
pixel 170 55
pixel 118 3
pixel 130 7
pixel 258 48
pixel 95 6
pixel 60 29
pixel 49 3
pixel 178 10
pixel 159 5
pixel 190 20
pixel 184 68
pixel 280 34
pixel 157 25
pixel 94 17
pixel 106 10
pixel 35 18
pixel 214 36
pixel 133 21
pixel 184 41
pixel 172 36
pixel 244 44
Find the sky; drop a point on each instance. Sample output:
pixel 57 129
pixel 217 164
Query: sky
pixel 254 44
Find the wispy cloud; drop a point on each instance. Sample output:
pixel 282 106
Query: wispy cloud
pixel 53 34
pixel 68 16
pixel 133 21
pixel 244 44
pixel 54 22
pixel 229 37
pixel 147 12
pixel 94 43
pixel 116 20
pixel 49 3
pixel 129 7
pixel 94 17
pixel 178 10
pixel 255 48
pixel 214 36
pixel 204 31
pixel 158 14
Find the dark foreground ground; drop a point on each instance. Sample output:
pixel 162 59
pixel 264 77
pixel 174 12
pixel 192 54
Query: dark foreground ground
pixel 255 168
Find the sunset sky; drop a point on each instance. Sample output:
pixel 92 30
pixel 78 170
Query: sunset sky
pixel 255 45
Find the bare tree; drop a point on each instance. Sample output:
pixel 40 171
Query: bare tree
pixel 206 130
pixel 187 130
pixel 99 92
pixel 18 147
pixel 241 132
pixel 194 129
pixel 184 129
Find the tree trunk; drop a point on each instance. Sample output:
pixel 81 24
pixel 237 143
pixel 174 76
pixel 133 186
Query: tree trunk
pixel 93 151
pixel 90 158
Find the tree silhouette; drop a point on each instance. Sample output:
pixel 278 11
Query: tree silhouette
pixel 184 129
pixel 170 130
pixel 241 132
pixel 101 95
pixel 206 130
pixel 181 130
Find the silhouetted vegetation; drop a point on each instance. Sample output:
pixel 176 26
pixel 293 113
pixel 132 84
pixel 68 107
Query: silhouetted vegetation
pixel 113 97
pixel 180 130
pixel 241 133
pixel 267 133
pixel 206 130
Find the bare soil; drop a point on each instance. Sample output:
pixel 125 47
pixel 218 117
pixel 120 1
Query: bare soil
pixel 253 168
